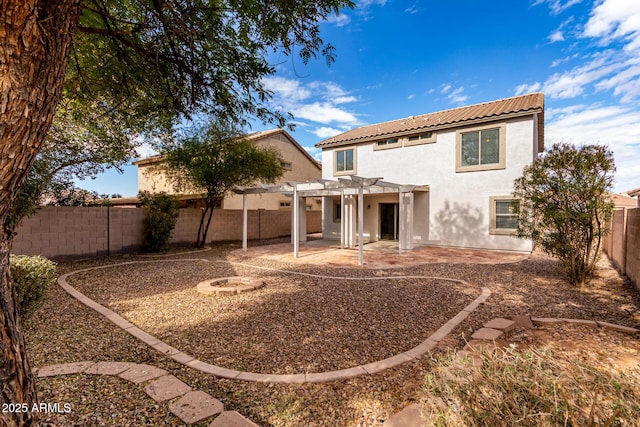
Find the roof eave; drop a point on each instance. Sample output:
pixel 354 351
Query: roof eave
pixel 443 126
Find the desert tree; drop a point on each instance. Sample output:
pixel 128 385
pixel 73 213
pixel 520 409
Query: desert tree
pixel 564 205
pixel 145 65
pixel 213 159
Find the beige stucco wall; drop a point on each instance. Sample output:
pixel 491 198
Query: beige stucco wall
pixel 86 232
pixel 303 169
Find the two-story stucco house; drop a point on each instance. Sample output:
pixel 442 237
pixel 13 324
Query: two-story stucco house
pixel 299 166
pixel 445 178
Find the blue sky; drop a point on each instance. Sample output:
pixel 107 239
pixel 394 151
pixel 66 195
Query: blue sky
pixel 402 58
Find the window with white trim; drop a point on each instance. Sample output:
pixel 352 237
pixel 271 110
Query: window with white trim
pixel 503 215
pixel 481 148
pixel 344 161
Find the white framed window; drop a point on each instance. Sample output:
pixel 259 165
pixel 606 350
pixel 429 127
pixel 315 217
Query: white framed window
pixel 481 148
pixel 421 138
pixel 386 143
pixel 287 166
pixel 344 161
pixel 503 215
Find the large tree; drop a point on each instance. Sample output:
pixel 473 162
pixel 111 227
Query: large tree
pixel 146 64
pixel 564 205
pixel 214 159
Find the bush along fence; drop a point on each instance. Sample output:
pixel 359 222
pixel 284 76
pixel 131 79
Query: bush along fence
pixel 61 233
pixel 622 244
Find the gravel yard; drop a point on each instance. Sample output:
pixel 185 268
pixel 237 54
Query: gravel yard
pixel 294 324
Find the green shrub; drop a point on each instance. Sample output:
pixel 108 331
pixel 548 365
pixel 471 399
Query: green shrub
pixel 163 214
pixel 31 276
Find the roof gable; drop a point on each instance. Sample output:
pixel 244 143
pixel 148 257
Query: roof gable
pixel 489 111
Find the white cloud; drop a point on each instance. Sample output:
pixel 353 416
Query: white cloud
pixel 326 132
pixel 286 88
pixel 557 6
pixel 325 113
pixel 146 150
pixel 412 10
pixel 527 88
pixel 615 19
pixel 316 101
pixel 445 88
pixel 572 83
pixel 456 96
pixel 615 126
pixel 411 96
pixel 340 20
pixel 556 36
pixel 366 3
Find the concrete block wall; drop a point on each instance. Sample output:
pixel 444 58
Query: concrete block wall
pixel 84 232
pixel 619 239
pixel 633 247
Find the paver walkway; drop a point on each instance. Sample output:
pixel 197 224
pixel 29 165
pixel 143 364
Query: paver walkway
pixel 191 406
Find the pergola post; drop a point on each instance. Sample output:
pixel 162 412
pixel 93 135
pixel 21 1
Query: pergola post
pixel 296 227
pixel 343 228
pixel 244 222
pixel 360 225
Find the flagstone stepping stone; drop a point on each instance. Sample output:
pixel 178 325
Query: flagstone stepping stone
pixel 232 419
pixel 109 368
pixel 141 373
pixel 486 334
pixel 196 406
pixel 166 388
pixel 64 369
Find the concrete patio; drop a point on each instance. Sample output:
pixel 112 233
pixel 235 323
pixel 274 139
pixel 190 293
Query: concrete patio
pixel 377 255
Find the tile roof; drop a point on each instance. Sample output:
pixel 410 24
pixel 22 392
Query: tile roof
pixel 479 113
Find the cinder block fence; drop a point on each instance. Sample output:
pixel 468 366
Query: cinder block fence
pixel 622 245
pixel 82 232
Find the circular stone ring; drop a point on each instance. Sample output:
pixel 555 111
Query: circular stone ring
pixel 229 285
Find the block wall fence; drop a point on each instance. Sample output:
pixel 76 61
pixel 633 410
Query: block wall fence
pixel 622 244
pixel 63 233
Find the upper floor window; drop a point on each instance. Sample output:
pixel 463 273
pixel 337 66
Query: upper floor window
pixel 387 143
pixel 481 148
pixel 422 138
pixel 344 161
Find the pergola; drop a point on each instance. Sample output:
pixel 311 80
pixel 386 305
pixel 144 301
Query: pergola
pixel 351 186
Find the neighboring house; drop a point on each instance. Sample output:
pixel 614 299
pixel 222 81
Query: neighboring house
pixel 446 177
pixel 635 193
pixel 298 164
pixel 624 200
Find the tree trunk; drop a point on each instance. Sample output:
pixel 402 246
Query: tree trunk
pixel 206 228
pixel 35 41
pixel 201 229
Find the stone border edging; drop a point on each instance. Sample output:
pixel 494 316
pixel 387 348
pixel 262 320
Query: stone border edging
pixel 219 371
pixel 190 405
